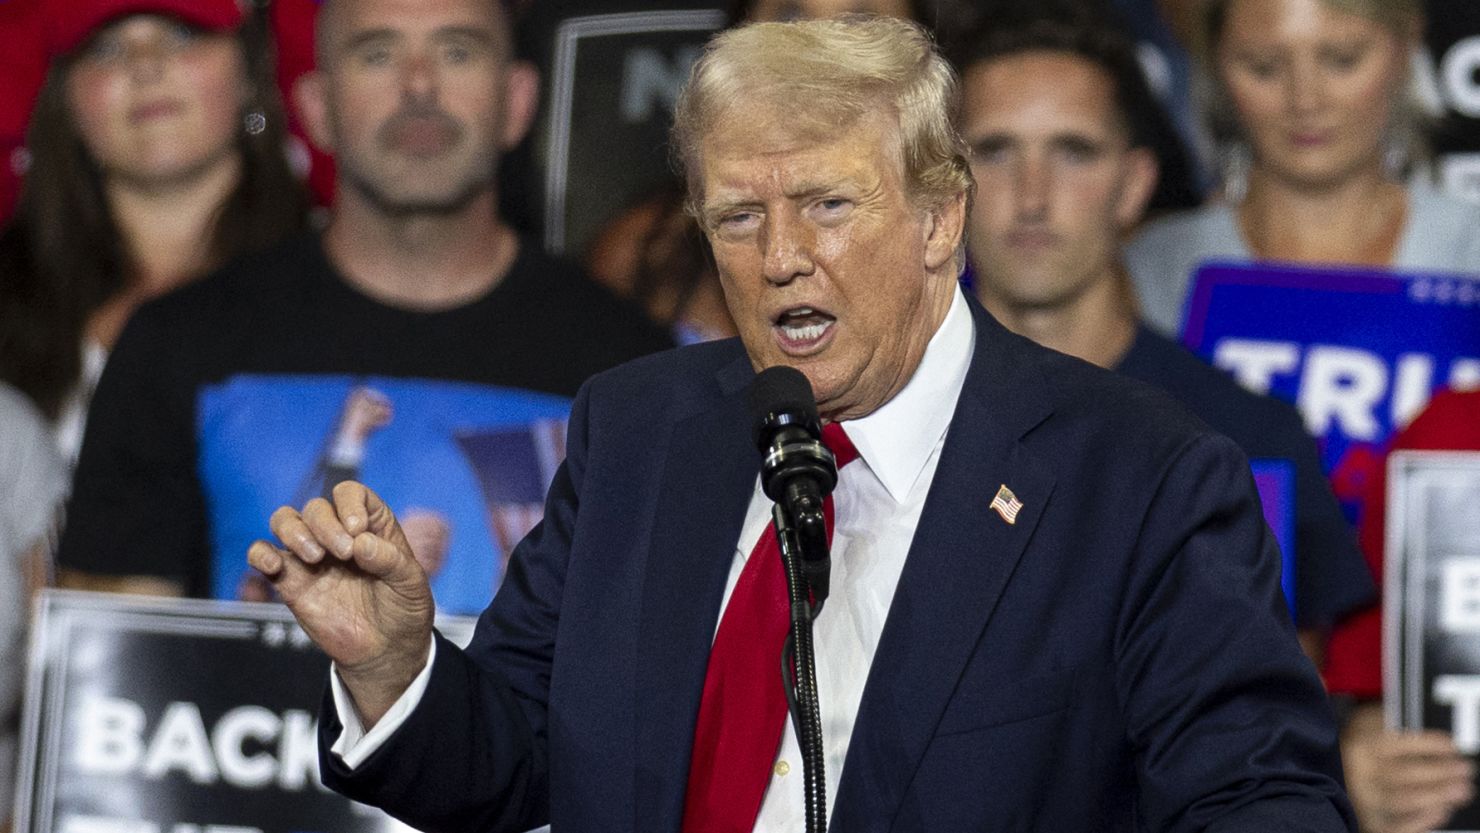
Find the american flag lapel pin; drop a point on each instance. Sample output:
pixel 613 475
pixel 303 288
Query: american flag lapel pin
pixel 1007 504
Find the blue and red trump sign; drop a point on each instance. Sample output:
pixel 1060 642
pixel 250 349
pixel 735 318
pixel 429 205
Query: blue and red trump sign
pixel 1357 352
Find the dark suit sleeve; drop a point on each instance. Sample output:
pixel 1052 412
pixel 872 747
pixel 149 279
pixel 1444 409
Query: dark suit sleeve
pixel 1228 719
pixel 472 755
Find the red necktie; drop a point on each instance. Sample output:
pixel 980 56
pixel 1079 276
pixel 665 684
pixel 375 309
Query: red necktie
pixel 743 711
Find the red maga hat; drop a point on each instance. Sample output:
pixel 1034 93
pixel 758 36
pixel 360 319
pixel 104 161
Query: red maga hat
pixel 72 22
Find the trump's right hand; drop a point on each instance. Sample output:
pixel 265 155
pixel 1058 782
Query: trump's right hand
pixel 348 575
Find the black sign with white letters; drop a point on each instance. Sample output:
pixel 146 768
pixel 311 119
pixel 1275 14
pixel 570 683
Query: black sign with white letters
pixel 174 716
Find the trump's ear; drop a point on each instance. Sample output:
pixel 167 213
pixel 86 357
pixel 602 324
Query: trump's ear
pixel 943 228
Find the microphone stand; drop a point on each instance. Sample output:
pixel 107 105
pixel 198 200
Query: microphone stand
pixel 800 536
pixel 797 472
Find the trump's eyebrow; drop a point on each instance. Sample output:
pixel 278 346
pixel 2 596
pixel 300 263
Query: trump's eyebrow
pixel 801 191
pixel 714 210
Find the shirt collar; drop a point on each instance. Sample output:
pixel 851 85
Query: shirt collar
pixel 896 440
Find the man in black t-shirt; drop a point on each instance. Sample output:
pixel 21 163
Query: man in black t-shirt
pixel 416 343
pixel 1053 110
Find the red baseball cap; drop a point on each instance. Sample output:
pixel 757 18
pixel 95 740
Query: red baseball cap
pixel 72 22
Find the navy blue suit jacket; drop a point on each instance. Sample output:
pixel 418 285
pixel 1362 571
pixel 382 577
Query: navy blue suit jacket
pixel 1118 659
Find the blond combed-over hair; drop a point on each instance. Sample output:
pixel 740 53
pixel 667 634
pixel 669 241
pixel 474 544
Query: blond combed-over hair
pixel 826 75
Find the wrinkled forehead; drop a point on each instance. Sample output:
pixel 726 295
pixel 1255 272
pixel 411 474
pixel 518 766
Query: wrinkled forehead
pixel 770 127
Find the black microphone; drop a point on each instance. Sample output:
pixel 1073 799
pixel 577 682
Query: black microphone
pixel 797 471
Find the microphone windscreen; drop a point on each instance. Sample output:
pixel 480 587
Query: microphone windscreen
pixel 783 392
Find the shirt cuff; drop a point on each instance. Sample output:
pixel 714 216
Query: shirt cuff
pixel 354 744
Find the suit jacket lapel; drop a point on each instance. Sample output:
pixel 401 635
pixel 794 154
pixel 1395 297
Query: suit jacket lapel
pixel 707 483
pixel 961 558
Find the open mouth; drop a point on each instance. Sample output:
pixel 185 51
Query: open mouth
pixel 803 328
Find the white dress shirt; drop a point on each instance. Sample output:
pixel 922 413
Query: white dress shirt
pixel 878 501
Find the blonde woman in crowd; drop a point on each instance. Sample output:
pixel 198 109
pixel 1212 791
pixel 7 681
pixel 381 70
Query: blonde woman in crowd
pixel 1318 129
pixel 157 154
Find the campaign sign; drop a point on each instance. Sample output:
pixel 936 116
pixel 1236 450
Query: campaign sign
pixel 1431 638
pixel 614 80
pixel 1275 481
pixel 1358 352
pixel 177 716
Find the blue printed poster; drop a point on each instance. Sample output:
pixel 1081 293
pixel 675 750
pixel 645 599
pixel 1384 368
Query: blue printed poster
pixel 464 466
pixel 1358 352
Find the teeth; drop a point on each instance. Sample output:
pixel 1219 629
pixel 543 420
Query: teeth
pixel 807 332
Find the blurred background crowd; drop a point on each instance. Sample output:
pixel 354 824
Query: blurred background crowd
pixel 250 250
